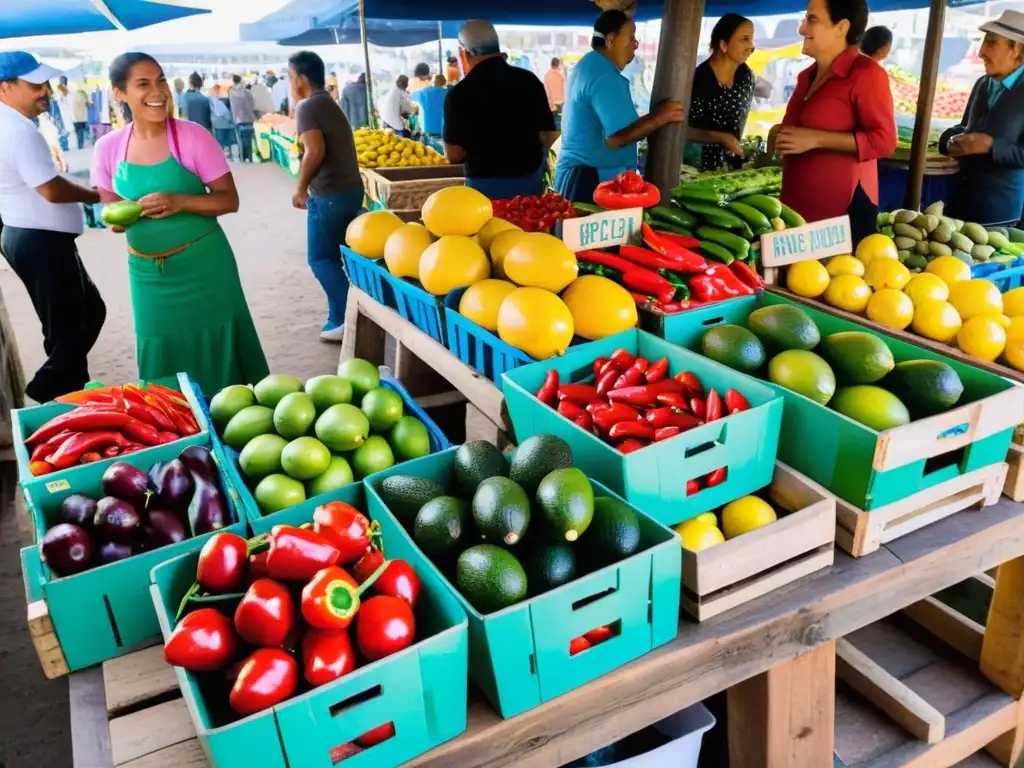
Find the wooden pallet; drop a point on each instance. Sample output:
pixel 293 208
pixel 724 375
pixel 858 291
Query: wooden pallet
pixel 861 533
pixel 1014 485
pixel 739 570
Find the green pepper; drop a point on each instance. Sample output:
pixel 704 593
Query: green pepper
pixel 121 214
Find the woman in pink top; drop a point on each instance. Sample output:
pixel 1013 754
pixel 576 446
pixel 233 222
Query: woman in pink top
pixel 190 312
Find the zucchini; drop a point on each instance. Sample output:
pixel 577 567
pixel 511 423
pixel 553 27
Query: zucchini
pixel 758 221
pixel 769 206
pixel 715 216
pixel 791 217
pixel 717 252
pixel 673 215
pixel 588 208
pixel 736 244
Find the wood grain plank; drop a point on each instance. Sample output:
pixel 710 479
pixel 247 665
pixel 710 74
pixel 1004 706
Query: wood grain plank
pixel 1002 652
pixel 1007 749
pixel 137 677
pixel 185 754
pixel 90 736
pixel 1014 485
pixel 45 640
pixel 150 730
pixel 950 626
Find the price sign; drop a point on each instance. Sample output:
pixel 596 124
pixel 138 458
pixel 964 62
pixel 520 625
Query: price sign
pixel 819 240
pixel 602 230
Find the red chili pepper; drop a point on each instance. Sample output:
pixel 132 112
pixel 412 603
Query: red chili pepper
pixel 713 407
pixel 331 599
pixel 693 385
pixel 625 429
pixel 684 259
pixel 72 449
pixel 204 641
pixel 398 579
pixel 675 307
pixel 578 645
pixel 95 396
pixel 178 423
pixel 345 528
pixel 140 432
pixel 570 410
pixel 265 614
pixel 606 382
pixel 42 451
pixel 578 394
pixel 82 419
pixel 599 634
pixel 267 677
pixel 642 364
pixel 222 562
pixel 682 241
pixel 167 437
pixel 716 478
pixel 598 365
pixel 584 421
pixel 657 371
pixel 698 408
pixel 666 385
pixel 548 390
pixel 630 377
pixel 747 275
pixel 641 396
pixel 296 554
pixel 729 279
pixel 693 486
pixel 172 396
pixel 606 260
pixel 642 257
pixel 628 446
pixel 735 402
pixel 385 625
pixel 148 415
pixel 607 417
pixel 707 289
pixel 327 654
pixel 111 451
pixel 664 433
pixel 670 417
pixel 649 282
pixel 621 359
pixel 90 457
pixel 375 736
pixel 673 400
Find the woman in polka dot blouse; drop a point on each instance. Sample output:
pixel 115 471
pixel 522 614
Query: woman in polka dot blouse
pixel 723 89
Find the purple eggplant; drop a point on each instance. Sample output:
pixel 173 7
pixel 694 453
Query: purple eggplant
pixel 161 527
pixel 209 510
pixel 67 548
pixel 176 487
pixel 126 482
pixel 115 520
pixel 112 551
pixel 155 473
pixel 200 461
pixel 78 509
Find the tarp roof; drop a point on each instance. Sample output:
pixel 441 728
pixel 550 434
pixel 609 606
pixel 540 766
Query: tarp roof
pixel 343 29
pixel 295 18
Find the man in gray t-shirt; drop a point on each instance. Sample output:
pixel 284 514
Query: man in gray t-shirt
pixel 328 186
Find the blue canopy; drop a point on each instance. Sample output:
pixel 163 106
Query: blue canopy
pixel 343 29
pixel 63 17
pixel 296 18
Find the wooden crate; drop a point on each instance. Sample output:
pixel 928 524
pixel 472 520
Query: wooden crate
pixel 1014 485
pixel 739 570
pixel 408 188
pixel 861 533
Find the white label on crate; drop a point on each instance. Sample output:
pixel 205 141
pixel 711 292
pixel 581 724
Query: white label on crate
pixel 819 240
pixel 602 230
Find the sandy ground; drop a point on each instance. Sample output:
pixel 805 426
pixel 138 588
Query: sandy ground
pixel 288 307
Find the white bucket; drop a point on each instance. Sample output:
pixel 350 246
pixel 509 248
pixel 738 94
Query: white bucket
pixel 686 729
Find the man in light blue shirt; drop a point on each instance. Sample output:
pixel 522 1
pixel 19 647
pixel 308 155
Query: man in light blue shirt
pixel 431 101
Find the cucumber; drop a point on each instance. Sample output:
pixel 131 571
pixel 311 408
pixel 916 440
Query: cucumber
pixel 673 215
pixel 769 206
pixel 1015 235
pixel 588 208
pixel 758 221
pixel 791 217
pixel 736 244
pixel 715 216
pixel 717 252
pixel 667 226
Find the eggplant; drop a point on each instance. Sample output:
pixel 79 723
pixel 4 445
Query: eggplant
pixel 67 548
pixel 161 527
pixel 155 473
pixel 176 487
pixel 209 510
pixel 112 551
pixel 200 461
pixel 78 509
pixel 127 483
pixel 115 520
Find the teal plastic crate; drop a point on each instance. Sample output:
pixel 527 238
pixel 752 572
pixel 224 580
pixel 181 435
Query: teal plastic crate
pixel 519 656
pixel 261 523
pixel 862 466
pixel 25 421
pixel 369 276
pixel 654 478
pixel 667 326
pixel 106 612
pixel 421 690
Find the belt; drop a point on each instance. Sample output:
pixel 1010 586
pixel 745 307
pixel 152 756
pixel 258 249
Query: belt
pixel 172 252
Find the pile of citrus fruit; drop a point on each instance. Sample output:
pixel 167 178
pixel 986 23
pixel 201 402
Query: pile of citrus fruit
pixel 744 515
pixel 384 149
pixel 524 286
pixel 943 303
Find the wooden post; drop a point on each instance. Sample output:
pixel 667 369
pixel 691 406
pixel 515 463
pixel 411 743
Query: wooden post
pixel 1002 648
pixel 673 79
pixel 440 49
pixel 925 99
pixel 366 62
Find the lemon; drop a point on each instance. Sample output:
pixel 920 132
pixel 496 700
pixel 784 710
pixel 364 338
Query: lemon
pixel 890 307
pixel 807 278
pixel 695 535
pixel 707 517
pixel 453 261
pixel 1003 320
pixel 403 249
pixel 886 273
pixel 1013 302
pixel 1014 352
pixel 367 234
pixel 456 211
pixel 1016 328
pixel 848 292
pixel 876 247
pixel 845 265
pixel 481 302
pixel 936 320
pixel 492 229
pixel 746 514
pixel 973 298
pixel 926 286
pixel 950 269
pixel 982 337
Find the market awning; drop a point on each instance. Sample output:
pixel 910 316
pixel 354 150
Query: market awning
pixel 343 29
pixel 296 18
pixel 66 17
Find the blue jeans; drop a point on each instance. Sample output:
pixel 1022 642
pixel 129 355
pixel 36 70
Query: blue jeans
pixel 246 137
pixel 327 218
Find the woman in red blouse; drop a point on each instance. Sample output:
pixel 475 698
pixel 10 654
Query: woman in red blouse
pixel 839 121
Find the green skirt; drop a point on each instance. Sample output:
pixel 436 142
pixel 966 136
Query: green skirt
pixel 191 316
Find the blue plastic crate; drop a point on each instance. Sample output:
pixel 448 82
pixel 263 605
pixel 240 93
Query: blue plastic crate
pixel 422 309
pixel 369 276
pixel 1005 276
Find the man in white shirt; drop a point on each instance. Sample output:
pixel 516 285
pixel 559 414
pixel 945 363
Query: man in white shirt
pixel 42 216
pixel 397 106
pixel 262 101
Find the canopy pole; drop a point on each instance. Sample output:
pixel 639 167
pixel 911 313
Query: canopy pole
pixel 366 61
pixel 925 100
pixel 440 48
pixel 673 79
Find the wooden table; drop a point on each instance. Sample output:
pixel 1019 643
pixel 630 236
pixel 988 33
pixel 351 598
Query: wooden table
pixel 776 656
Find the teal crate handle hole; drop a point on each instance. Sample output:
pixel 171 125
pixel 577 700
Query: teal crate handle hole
pixel 113 621
pixel 696 450
pixel 713 321
pixel 347 704
pixel 583 602
pixel 943 461
pixel 959 429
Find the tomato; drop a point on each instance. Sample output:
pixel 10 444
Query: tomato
pixel 267 677
pixel 265 614
pixel 345 527
pixel 222 562
pixel 398 580
pixel 326 655
pixel 203 641
pixel 376 735
pixel 384 625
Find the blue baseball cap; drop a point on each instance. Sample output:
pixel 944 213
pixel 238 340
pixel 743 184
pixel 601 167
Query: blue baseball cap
pixel 19 65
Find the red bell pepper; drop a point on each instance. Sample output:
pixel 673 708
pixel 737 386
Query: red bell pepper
pixel 630 445
pixel 265 614
pixel 641 396
pixel 707 289
pixel 72 449
pixel 331 599
pixel 547 393
pixel 385 625
pixel 327 654
pixel 735 402
pixel 399 579
pixel 222 562
pixel 82 419
pixel 746 275
pixel 267 677
pixel 627 190
pixel 258 565
pixel 692 384
pixel 296 554
pixel 713 407
pixel 733 285
pixel 204 641
pixel 578 394
pixel 570 410
pixel 664 433
pixel 640 430
pixel 345 528
pixel 657 371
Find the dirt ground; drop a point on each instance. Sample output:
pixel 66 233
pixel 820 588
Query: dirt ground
pixel 288 307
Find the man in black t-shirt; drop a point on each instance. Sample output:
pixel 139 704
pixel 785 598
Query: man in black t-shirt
pixel 496 119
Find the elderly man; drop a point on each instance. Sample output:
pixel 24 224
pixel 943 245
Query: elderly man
pixel 503 158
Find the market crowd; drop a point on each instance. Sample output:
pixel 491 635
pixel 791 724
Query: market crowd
pixel 169 153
